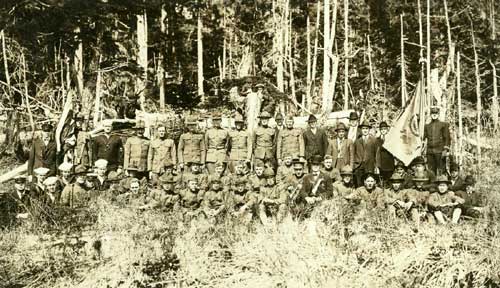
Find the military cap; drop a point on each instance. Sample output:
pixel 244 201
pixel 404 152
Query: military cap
pixel 353 116
pixel 19 179
pixel 47 127
pixel 420 177
pixel 434 109
pixel 191 121
pixel 167 178
pixel 396 177
pixel 268 172
pixel 346 170
pixel 50 180
pixel 65 166
pixel 328 157
pixel 101 163
pixel 278 117
pixel 265 115
pixel 312 118
pixel 238 119
pixel 383 124
pixel 216 116
pixel 41 171
pixel 418 160
pixel 340 126
pixel 259 163
pixel 454 166
pixel 297 161
pixel 442 179
pixel 469 180
pixel 365 123
pixel 316 159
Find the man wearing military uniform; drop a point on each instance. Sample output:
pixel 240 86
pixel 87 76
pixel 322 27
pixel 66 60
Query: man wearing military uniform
pixel 242 202
pixel 216 140
pixel 416 197
pixel 162 153
pixel 384 159
pixel 166 197
pixel 369 196
pixel 99 181
pixel 316 187
pixel 220 175
pixel 293 183
pixel 191 146
pixel 82 155
pixel 195 172
pixel 289 141
pixel 341 148
pixel 344 187
pixel 315 140
pixel 14 204
pixel 273 200
pixel 437 137
pixel 66 177
pixel 257 179
pixel 37 189
pixel 330 170
pixel 285 169
pixel 393 196
pixel 263 140
pixel 364 154
pixel 214 200
pixel 52 191
pixel 109 147
pixel 239 143
pixel 444 204
pixel 135 161
pixel 191 199
pixel 75 194
pixel 43 151
pixel 418 167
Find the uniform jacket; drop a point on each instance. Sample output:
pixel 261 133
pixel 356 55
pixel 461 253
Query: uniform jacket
pixel 191 148
pixel 436 199
pixel 282 172
pixel 109 148
pixel 289 142
pixel 43 156
pixel 315 144
pixel 437 134
pixel 369 199
pixel 334 173
pixel 365 153
pixel 385 160
pixel 161 153
pixel 191 200
pixel 342 154
pixel 136 154
pixel 216 142
pixel 240 145
pixel 74 195
pixel 341 190
pixel 263 140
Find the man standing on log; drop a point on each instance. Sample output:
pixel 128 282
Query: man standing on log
pixel 43 151
pixel 437 135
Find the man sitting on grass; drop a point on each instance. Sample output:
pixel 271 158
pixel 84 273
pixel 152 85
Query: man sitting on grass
pixel 473 206
pixel 444 204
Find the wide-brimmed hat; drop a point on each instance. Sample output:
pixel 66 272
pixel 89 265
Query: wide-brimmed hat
pixel 265 115
pixel 420 177
pixel 434 109
pixel 442 179
pixel 312 118
pixel 396 177
pixel 316 159
pixel 346 170
pixel 340 126
pixel 268 172
pixel 469 180
pixel 353 116
pixel 297 161
pixel 383 124
pixel 365 123
pixel 418 160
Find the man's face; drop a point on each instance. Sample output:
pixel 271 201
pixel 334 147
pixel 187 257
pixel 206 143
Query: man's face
pixel 442 188
pixel 369 183
pixel 384 130
pixel 353 123
pixel 195 168
pixel 289 123
pixel 469 188
pixel 264 121
pixel 328 163
pixel 100 171
pixel 270 181
pixel 41 178
pixel 168 186
pixel 161 132
pixel 396 186
pixel 192 127
pixel 216 123
pixel 240 188
pixel 240 169
pixel 279 122
pixel 346 178
pixel 419 168
pixel 45 136
pixel 216 186
pixel 140 132
pixel 315 168
pixel 288 160
pixel 365 131
pixel 19 187
pixel 259 171
pixel 434 116
pixel 400 170
pixel 313 124
pixel 419 184
pixel 341 133
pixel 66 174
pixel 454 173
pixel 219 170
pixel 51 188
pixel 298 170
pixel 108 127
pixel 193 186
pixel 239 126
pixel 134 187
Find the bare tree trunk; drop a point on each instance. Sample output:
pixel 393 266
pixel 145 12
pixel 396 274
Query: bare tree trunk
pixel 161 71
pixel 142 57
pixel 334 58
pixel 494 100
pixel 372 78
pixel 6 63
pixel 326 57
pixel 448 33
pixel 199 38
pixel 97 102
pixel 346 54
pixel 28 107
pixel 224 46
pixel 421 41
pixel 78 62
pixel 428 61
pixel 459 101
pixel 315 56
pixel 478 96
pixel 306 102
pixel 403 65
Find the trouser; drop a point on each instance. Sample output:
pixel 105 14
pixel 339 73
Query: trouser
pixel 358 176
pixel 435 162
pixel 385 177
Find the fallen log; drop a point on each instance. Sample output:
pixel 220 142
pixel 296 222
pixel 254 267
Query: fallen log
pixel 14 172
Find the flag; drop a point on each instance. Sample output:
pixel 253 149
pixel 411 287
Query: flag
pixel 65 120
pixel 405 139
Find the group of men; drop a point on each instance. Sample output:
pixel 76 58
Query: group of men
pixel 263 174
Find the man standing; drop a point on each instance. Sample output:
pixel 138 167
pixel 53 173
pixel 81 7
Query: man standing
pixel 216 141
pixel 315 140
pixel 239 143
pixel 263 140
pixel 353 132
pixel 109 147
pixel 191 145
pixel 364 154
pixel 290 141
pixel 437 136
pixel 341 148
pixel 385 160
pixel 43 151
pixel 162 153
pixel 136 152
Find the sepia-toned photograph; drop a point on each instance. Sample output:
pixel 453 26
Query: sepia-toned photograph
pixel 249 143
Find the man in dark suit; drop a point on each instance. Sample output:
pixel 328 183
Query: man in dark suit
pixel 43 151
pixel 341 148
pixel 437 135
pixel 385 160
pixel 315 140
pixel 316 187
pixel 109 147
pixel 365 148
